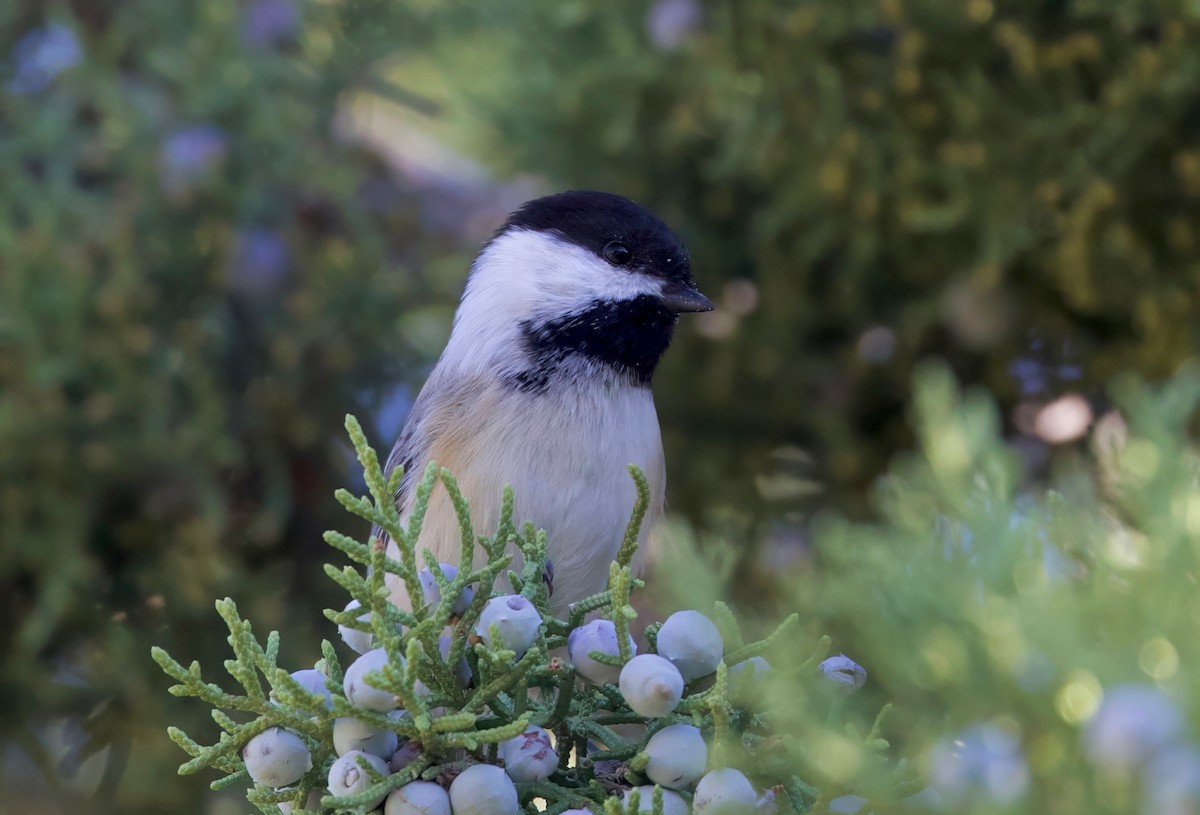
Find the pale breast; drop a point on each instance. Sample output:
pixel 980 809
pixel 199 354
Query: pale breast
pixel 566 457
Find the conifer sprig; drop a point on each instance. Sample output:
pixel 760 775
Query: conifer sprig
pixel 452 725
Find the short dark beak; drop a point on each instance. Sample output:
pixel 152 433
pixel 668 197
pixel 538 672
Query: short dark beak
pixel 681 298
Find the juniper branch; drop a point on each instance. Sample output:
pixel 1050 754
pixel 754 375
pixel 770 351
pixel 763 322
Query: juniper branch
pixel 766 644
pixel 633 531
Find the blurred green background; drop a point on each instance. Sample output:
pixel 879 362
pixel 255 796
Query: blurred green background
pixel 227 224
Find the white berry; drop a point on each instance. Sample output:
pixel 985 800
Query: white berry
pixel 418 798
pixel 351 734
pixel 432 592
pixel 529 756
pixel 724 792
pixel 313 681
pixel 673 803
pixel 276 758
pixel 359 641
pixel 515 618
pixel 651 685
pixel 598 635
pixel 677 755
pixel 692 642
pixel 483 789
pixel 362 693
pixel 346 777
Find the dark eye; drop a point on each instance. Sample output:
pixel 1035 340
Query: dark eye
pixel 617 253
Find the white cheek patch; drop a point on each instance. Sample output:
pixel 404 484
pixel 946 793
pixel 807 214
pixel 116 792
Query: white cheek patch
pixel 559 273
pixel 526 275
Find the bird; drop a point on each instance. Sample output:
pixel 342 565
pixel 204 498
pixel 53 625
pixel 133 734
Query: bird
pixel 544 385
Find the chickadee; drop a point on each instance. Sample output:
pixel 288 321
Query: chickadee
pixel 545 383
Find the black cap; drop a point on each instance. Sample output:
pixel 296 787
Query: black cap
pixel 595 220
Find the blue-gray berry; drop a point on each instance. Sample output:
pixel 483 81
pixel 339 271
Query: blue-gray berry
pixel 651 685
pixel 483 789
pixel 359 691
pixel 347 776
pixel 692 642
pixel 598 635
pixel 677 756
pixel 515 618
pixel 276 758
pixel 724 792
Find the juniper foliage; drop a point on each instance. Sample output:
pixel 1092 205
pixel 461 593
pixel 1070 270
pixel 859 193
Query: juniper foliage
pixel 454 725
pixel 1037 641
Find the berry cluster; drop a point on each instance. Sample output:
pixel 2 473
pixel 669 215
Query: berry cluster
pixel 479 702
